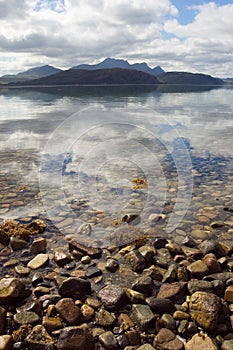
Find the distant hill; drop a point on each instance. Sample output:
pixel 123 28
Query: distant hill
pixel 30 74
pixel 110 63
pixel 95 77
pixel 185 78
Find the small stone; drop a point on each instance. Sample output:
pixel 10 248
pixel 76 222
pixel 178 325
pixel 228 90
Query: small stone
pixel 94 303
pixel 26 317
pixel 160 306
pixel 199 285
pixel 112 296
pixel 212 263
pixel 160 243
pixel 144 284
pixel 112 265
pixel 133 337
pixel 86 260
pixel 76 338
pixel 174 248
pixel 37 278
pixel 201 341
pixel 22 271
pixel 40 290
pixel 148 252
pixel 174 291
pixel 125 321
pixel 166 339
pixel 82 249
pixel 122 341
pixel 180 315
pixel 229 294
pixel 88 313
pixel 171 274
pixel 11 289
pixel 52 324
pixel 39 245
pixel 108 340
pixel 72 286
pixel 68 310
pixel 134 296
pixel 92 272
pixel 39 339
pixel 17 244
pixel 6 342
pixel 154 272
pixel 146 346
pixel 143 316
pixel 105 318
pixel 212 247
pixel 84 229
pixel 135 260
pixel 204 309
pixel 61 258
pixel 167 321
pixel 217 224
pixel 227 345
pixel 198 269
pixel 39 261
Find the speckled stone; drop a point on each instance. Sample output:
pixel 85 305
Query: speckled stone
pixel 201 341
pixel 143 316
pixel 39 339
pixel 112 296
pixel 39 261
pixel 108 340
pixel 75 338
pixel 68 310
pixel 26 317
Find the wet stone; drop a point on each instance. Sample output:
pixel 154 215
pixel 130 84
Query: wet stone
pixel 160 306
pixel 68 310
pixel 75 338
pixel 26 317
pixel 39 339
pixel 88 313
pixel 148 252
pixel 61 258
pixel 144 284
pixel 143 316
pixel 51 324
pixel 22 271
pixel 17 244
pixel 122 341
pixel 167 321
pixel 204 309
pixel 112 265
pixel 92 272
pixel 112 296
pixel 108 340
pixel 39 245
pixel 173 291
pixel 72 286
pixel 39 261
pixel 135 260
pixel 211 262
pixel 198 269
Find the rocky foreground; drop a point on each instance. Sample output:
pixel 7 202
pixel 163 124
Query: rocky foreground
pixel 59 293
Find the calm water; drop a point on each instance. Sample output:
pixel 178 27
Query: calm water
pixel 95 154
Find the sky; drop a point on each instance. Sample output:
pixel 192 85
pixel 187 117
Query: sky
pixel 181 35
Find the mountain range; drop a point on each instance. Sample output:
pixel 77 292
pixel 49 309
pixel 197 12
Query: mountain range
pixel 109 71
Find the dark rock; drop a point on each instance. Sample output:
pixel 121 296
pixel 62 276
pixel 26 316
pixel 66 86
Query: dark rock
pixel 135 260
pixel 167 321
pixel 199 285
pixel 17 244
pixel 160 243
pixel 75 338
pixel 113 296
pixel 61 258
pixel 122 341
pixel 173 291
pixel 39 245
pixel 144 284
pixel 160 306
pixel 2 319
pixel 92 272
pixel 212 263
pixel 68 310
pixel 37 278
pixel 212 247
pixel 112 265
pixel 143 316
pixel 94 253
pixel 108 340
pixel 71 286
pixel 198 269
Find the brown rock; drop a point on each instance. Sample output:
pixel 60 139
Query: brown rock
pixel 11 289
pixel 76 338
pixel 229 294
pixel 105 318
pixel 166 340
pixel 212 263
pixel 88 313
pixel 135 260
pixel 39 261
pixel 201 341
pixel 68 310
pixel 39 245
pixel 2 319
pixel 204 309
pixel 51 323
pixel 174 291
pixel 61 258
pixel 198 269
pixel 112 296
pixel 6 342
pixel 94 253
pixel 39 339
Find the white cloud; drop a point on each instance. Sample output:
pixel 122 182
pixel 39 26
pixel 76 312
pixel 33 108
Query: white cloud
pixel 69 32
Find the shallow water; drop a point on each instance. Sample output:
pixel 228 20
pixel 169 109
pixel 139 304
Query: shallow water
pixel 95 154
